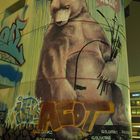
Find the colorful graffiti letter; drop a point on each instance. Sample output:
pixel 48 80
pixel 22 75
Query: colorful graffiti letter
pixel 9 43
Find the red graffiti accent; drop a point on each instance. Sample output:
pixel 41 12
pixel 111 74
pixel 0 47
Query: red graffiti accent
pixel 114 4
pixel 49 117
pixel 77 114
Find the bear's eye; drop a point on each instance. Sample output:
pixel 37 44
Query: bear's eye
pixel 67 6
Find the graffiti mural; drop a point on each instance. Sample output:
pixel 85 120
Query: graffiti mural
pixel 74 83
pixel 10 42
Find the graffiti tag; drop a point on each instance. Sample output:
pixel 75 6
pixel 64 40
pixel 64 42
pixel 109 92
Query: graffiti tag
pixel 27 110
pixel 10 43
pixel 76 114
pixel 114 4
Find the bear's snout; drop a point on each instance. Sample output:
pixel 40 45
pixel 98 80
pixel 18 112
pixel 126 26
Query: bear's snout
pixel 61 17
pixel 60 23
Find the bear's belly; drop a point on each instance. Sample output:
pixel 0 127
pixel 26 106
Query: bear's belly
pixel 88 68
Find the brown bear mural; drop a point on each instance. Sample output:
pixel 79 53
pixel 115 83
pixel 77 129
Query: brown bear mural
pixel 74 60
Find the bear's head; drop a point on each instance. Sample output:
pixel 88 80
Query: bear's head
pixel 64 10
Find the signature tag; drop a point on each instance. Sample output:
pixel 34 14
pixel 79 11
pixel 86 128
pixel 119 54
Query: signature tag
pixel 114 4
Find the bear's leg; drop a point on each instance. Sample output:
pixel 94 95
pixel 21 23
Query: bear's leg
pixel 119 116
pixel 43 90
